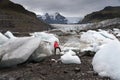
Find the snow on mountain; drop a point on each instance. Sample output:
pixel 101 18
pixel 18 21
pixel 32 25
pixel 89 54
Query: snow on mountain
pixel 57 18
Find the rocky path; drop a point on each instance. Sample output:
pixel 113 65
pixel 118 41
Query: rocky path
pixel 50 70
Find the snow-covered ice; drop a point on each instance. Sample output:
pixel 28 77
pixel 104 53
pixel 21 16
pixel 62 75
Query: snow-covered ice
pixel 93 36
pixel 18 50
pixel 73 43
pixel 20 53
pixel 116 31
pixel 69 27
pixel 48 37
pixel 11 45
pixel 106 60
pixel 70 57
pixel 10 35
pixel 41 52
pixel 95 39
pixel 3 39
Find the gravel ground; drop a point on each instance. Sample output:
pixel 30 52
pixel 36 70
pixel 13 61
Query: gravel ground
pixel 50 70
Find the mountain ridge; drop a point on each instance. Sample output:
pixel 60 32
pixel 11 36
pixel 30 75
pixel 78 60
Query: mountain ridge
pixel 108 12
pixel 51 19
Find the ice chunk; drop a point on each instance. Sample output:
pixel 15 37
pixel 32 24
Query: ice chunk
pixel 10 35
pixel 106 60
pixel 20 53
pixel 70 57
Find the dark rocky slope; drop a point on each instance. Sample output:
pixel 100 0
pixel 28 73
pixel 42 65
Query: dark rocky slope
pixel 15 17
pixel 107 13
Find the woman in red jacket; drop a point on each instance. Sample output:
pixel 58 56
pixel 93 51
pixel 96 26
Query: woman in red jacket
pixel 56 46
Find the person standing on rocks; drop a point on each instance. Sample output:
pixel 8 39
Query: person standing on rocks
pixel 56 46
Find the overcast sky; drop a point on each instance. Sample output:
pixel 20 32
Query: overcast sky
pixel 66 7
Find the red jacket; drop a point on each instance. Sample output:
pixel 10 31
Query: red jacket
pixel 56 44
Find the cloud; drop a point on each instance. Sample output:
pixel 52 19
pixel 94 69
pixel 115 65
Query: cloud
pixel 66 7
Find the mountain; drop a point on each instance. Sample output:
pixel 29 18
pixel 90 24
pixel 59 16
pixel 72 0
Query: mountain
pixel 56 18
pixel 16 18
pixel 107 13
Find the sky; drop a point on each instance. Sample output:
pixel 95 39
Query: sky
pixel 68 8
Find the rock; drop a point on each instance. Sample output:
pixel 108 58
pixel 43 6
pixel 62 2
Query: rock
pixel 57 32
pixel 95 74
pixel 7 78
pixel 87 53
pixel 90 72
pixel 65 71
pixel 77 69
